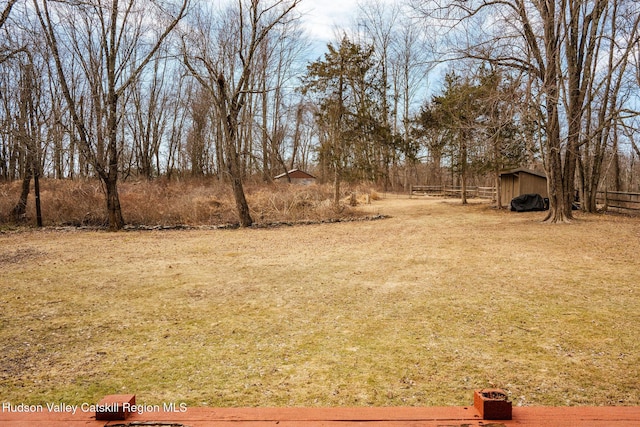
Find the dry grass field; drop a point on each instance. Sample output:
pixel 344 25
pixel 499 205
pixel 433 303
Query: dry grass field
pixel 417 309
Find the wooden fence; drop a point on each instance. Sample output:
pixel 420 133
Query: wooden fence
pixel 624 201
pixel 452 191
pixel 619 200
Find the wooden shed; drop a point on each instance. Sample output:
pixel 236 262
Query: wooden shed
pixel 522 181
pixel 297 177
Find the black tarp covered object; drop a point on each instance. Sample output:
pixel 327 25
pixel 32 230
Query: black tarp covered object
pixel 528 203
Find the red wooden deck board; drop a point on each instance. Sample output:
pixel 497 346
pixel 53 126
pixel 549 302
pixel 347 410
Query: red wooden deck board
pixel 345 417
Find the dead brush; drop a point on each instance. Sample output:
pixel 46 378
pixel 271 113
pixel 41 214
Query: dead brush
pixel 191 202
pixel 8 200
pixel 71 202
pixel 286 202
pixel 186 202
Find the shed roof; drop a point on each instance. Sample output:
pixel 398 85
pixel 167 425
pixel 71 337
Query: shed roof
pixel 523 170
pixel 296 173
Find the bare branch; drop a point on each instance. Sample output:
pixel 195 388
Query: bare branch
pixel 7 10
pixel 168 29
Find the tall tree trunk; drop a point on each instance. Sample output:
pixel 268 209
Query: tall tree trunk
pixel 559 209
pixel 463 188
pixel 235 173
pixel 110 178
pixel 463 168
pixel 113 205
pixel 36 190
pixel 297 136
pixel 498 189
pixel 26 125
pixel 20 209
pixel 616 163
pixel 557 178
pixel 336 189
pixel 265 123
pixel 233 161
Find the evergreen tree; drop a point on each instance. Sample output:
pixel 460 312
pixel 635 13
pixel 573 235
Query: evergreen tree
pixel 348 95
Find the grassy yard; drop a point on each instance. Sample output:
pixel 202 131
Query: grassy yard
pixel 417 309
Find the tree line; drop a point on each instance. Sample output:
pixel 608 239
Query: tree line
pixel 145 88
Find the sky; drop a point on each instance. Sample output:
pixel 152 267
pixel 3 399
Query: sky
pixel 324 21
pixel 322 17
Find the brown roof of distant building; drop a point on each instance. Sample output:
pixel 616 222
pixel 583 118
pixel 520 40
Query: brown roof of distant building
pixel 296 173
pixel 525 170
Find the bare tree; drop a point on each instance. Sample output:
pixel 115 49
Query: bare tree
pixel 278 69
pixel 29 138
pixel 7 51
pixel 380 24
pixel 411 65
pixel 25 117
pixel 401 52
pixel 501 123
pixel 148 116
pixel 180 96
pixel 604 106
pixel 102 37
pixel 557 43
pixel 6 11
pixel 223 59
pixel 197 146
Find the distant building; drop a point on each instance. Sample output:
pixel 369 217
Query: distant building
pixel 297 177
pixel 519 181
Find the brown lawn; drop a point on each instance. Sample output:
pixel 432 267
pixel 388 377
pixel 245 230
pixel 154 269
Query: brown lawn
pixel 418 309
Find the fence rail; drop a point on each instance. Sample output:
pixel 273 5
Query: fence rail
pixel 619 200
pixel 624 201
pixel 451 191
pixel 486 193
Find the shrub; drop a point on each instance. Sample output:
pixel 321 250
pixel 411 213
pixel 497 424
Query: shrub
pixel 190 202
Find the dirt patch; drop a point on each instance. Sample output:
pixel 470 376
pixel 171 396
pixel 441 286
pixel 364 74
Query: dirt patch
pixel 19 255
